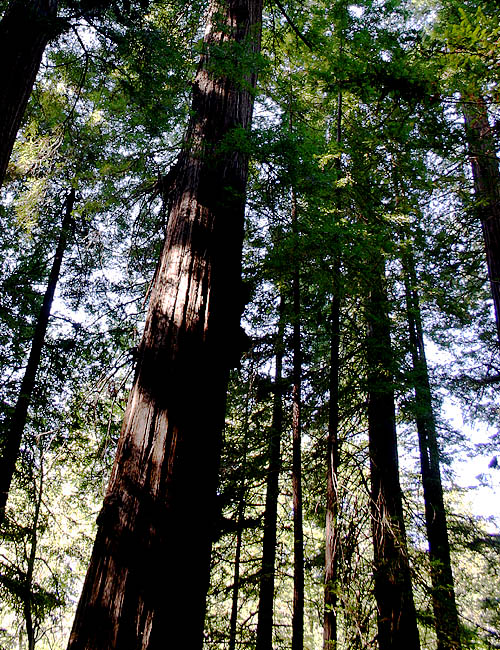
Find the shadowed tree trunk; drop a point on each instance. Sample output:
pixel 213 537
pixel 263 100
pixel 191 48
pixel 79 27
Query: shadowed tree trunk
pixel 11 445
pixel 397 624
pixel 240 525
pixel 443 593
pixel 298 531
pixel 484 163
pixel 264 639
pixel 148 576
pixel 25 30
pixel 236 575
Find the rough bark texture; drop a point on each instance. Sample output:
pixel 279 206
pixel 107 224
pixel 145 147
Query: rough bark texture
pixel 397 625
pixel 25 30
pixel 10 447
pixel 148 576
pixel 443 592
pixel 484 162
pixel 298 528
pixel 264 640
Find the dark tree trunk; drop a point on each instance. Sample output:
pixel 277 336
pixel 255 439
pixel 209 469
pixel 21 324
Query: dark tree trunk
pixel 298 532
pixel 12 444
pixel 397 625
pixel 332 462
pixel 332 496
pixel 155 528
pixel 443 592
pixel 25 30
pixel 264 639
pixel 484 162
pixel 236 576
pixel 28 584
pixel 240 524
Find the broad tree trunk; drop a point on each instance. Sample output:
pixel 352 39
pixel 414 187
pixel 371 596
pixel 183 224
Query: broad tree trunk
pixel 11 445
pixel 25 30
pixel 264 639
pixel 397 625
pixel 332 463
pixel 443 592
pixel 155 528
pixel 298 532
pixel 484 162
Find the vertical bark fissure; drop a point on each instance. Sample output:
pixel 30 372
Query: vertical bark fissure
pixel 156 525
pixel 25 30
pixel 298 532
pixel 12 443
pixel 264 640
pixel 443 592
pixel 485 173
pixel 397 625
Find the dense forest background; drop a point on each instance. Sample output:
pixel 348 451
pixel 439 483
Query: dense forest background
pixel 370 304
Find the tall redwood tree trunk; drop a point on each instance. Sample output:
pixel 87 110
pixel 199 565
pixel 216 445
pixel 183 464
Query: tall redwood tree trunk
pixel 264 640
pixel 9 448
pixel 25 30
pixel 148 576
pixel 397 624
pixel 443 592
pixel 484 162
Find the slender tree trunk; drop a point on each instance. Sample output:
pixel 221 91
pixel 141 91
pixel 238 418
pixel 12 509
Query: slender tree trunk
pixel 397 625
pixel 155 528
pixel 12 444
pixel 25 30
pixel 298 532
pixel 264 639
pixel 443 592
pixel 484 162
pixel 332 495
pixel 240 523
pixel 236 576
pixel 27 605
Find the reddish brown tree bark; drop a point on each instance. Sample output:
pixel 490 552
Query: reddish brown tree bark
pixel 396 618
pixel 148 576
pixel 25 30
pixel 9 448
pixel 484 163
